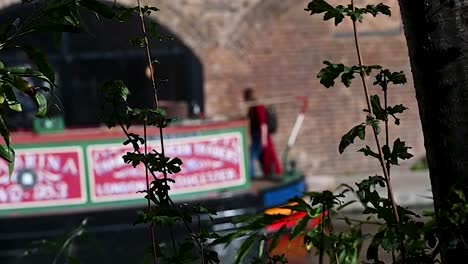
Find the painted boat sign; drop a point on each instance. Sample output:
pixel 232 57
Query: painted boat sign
pixel 210 162
pixel 84 170
pixel 49 176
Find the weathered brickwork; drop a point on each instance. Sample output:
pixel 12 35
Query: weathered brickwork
pixel 278 48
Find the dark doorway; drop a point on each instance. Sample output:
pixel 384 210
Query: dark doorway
pixel 83 62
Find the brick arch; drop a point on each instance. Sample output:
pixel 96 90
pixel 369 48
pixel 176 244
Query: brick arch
pixel 260 17
pixel 170 16
pixel 177 22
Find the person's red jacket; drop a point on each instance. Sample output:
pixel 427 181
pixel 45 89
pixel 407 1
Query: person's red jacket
pixel 270 161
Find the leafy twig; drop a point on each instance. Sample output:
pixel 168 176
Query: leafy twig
pixel 369 108
pixel 385 167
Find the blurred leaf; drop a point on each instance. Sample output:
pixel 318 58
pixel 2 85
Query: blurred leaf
pixel 229 238
pixel 299 228
pixel 276 238
pixel 41 103
pixel 11 164
pixel 244 248
pixel 12 74
pixel 4 131
pixel 5 154
pixel 98 7
pixel 373 249
pixel 40 59
pixel 11 99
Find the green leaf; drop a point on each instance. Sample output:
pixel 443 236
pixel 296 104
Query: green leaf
pixel 6 154
pixel 299 228
pixel 373 249
pixel 228 239
pixel 380 8
pixel 374 123
pixel 115 108
pixel 339 12
pixel 400 150
pixel 4 131
pixel 41 103
pixel 328 74
pixel 276 238
pixel 73 19
pixel 390 241
pixel 348 138
pixel 384 77
pixel 98 7
pixel 40 59
pixel 368 152
pixel 397 109
pixel 12 102
pixel 174 165
pixel 377 108
pixel 397 77
pixel 138 42
pixel 12 74
pixel 319 6
pixel 366 70
pixel 356 15
pixel 115 90
pixel 245 247
pixel 347 76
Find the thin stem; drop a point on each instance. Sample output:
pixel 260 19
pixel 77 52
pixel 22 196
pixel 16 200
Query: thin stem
pixel 381 157
pixel 387 134
pixel 153 82
pixel 369 108
pixel 148 55
pixel 151 226
pixel 156 103
pixel 153 238
pixel 186 224
pixel 322 236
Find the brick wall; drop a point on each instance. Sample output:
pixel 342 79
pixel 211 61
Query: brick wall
pixel 277 48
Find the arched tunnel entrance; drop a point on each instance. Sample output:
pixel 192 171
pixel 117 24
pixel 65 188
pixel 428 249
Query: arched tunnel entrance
pixel 84 61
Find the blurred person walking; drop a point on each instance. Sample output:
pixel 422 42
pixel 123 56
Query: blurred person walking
pixel 262 148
